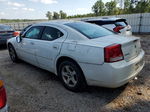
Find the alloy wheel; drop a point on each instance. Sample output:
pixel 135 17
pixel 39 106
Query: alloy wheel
pixel 69 75
pixel 12 53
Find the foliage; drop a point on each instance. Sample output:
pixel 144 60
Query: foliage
pixel 99 8
pixel 143 6
pixel 49 15
pixel 56 15
pixel 63 15
pixel 111 8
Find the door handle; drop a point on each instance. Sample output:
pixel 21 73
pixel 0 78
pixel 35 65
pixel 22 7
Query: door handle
pixel 55 46
pixel 32 43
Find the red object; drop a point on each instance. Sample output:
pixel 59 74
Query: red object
pixel 113 53
pixel 3 98
pixel 118 28
pixel 16 33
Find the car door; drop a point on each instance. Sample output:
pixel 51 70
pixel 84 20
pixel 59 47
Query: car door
pixel 49 47
pixel 27 46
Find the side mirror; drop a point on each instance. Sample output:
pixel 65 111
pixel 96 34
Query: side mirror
pixel 18 39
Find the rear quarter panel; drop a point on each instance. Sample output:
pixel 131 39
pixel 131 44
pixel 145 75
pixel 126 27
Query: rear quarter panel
pixel 83 53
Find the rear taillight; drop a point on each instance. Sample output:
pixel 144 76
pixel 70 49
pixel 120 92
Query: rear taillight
pixel 113 53
pixel 16 33
pixel 3 98
pixel 118 28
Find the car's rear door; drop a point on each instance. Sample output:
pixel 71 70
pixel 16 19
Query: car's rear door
pixel 27 46
pixel 49 46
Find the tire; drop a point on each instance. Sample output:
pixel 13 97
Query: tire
pixel 71 76
pixel 12 53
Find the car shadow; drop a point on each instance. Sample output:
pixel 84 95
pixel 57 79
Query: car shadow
pixel 43 75
pixel 105 94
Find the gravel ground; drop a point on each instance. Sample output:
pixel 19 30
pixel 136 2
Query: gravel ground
pixel 31 89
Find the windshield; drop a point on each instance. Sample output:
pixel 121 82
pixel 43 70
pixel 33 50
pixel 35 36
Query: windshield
pixel 91 31
pixel 5 28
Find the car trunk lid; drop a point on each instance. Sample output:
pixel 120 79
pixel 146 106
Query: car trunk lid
pixel 130 46
pixel 131 49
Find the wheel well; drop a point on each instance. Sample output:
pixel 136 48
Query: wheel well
pixel 9 44
pixel 64 58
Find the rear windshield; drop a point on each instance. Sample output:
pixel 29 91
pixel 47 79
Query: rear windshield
pixel 5 28
pixel 121 23
pixel 91 31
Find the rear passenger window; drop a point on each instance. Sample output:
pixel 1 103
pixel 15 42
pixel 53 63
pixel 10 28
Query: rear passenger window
pixel 51 34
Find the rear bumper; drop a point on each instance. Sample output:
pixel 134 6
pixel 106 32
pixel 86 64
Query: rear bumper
pixel 5 109
pixel 113 74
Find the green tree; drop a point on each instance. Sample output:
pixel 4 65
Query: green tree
pixel 142 6
pixel 49 15
pixel 99 8
pixel 55 15
pixel 111 7
pixel 63 15
pixel 127 6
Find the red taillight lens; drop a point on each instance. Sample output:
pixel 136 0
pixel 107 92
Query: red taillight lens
pixel 3 98
pixel 16 33
pixel 113 53
pixel 118 28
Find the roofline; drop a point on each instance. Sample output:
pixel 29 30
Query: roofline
pixel 102 19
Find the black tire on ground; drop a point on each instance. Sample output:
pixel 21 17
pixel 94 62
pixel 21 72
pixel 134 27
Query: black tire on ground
pixel 12 53
pixel 71 76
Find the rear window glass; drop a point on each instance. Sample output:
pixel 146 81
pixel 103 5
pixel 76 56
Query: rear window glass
pixel 116 23
pixel 120 23
pixel 91 31
pixel 5 28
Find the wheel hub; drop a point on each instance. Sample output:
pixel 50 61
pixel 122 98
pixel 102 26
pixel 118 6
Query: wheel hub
pixel 69 76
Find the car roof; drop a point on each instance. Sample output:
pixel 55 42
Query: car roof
pixel 103 19
pixel 56 22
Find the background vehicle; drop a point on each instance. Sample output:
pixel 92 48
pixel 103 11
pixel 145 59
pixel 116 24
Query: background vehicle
pixel 114 24
pixel 6 32
pixel 3 97
pixel 80 53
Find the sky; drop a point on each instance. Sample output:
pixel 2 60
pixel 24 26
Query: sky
pixel 36 9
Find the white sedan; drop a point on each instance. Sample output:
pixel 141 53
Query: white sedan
pixel 79 53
